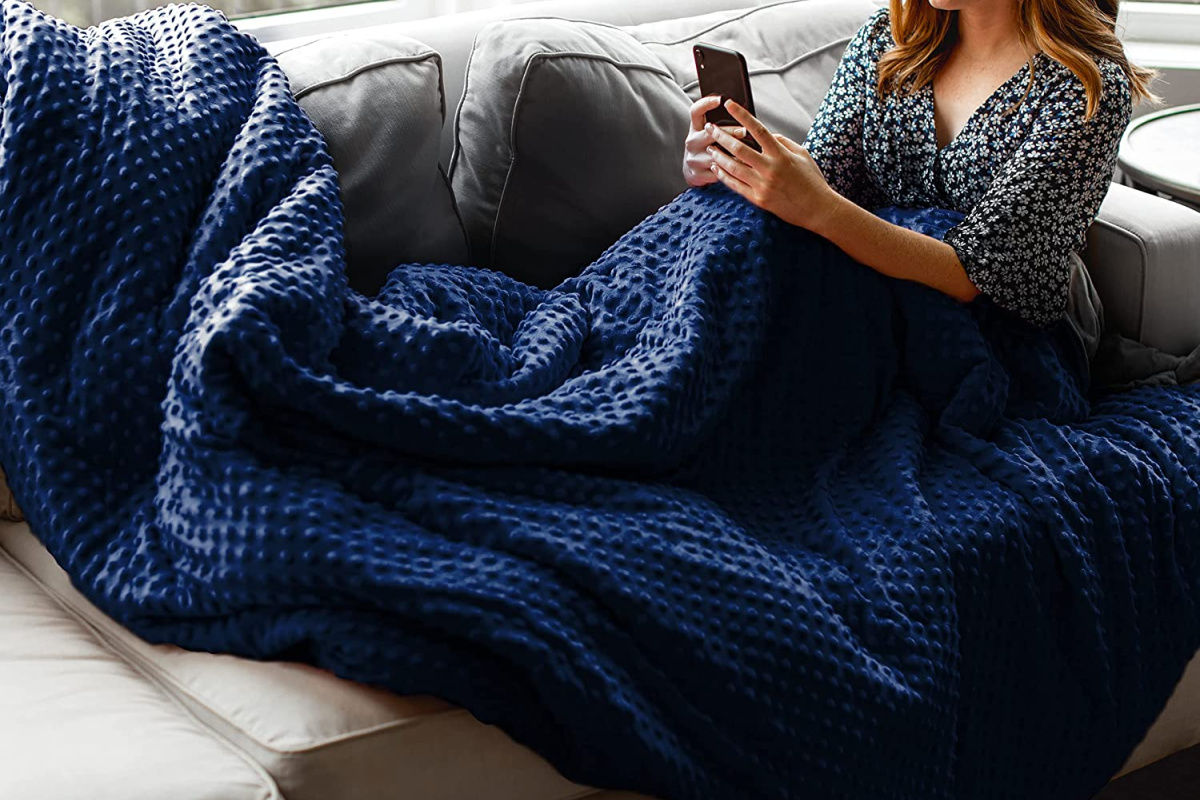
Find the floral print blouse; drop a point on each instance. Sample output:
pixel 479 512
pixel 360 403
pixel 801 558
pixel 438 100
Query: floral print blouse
pixel 1028 174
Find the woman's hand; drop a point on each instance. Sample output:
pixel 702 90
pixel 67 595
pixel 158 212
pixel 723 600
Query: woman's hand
pixel 782 179
pixel 697 165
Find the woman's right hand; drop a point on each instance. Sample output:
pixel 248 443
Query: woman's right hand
pixel 697 163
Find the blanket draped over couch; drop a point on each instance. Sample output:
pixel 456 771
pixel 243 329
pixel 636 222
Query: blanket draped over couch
pixel 726 516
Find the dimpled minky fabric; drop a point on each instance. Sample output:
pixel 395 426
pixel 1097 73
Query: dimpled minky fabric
pixel 727 516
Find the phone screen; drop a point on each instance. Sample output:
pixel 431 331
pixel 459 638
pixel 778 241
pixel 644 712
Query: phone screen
pixel 723 72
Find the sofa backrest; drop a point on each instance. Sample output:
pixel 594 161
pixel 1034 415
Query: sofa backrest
pixel 558 125
pixel 569 133
pixel 453 36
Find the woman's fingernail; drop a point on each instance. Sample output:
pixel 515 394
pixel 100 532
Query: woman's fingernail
pixel 708 126
pixel 710 150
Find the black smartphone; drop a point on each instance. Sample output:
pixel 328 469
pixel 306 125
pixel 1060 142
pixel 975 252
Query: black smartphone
pixel 723 72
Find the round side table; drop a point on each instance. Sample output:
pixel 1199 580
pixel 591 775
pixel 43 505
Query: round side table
pixel 1160 152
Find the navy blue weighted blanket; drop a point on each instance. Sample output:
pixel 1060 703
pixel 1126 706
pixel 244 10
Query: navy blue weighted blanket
pixel 726 516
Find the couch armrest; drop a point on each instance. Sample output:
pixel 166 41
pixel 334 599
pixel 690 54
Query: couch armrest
pixel 1143 254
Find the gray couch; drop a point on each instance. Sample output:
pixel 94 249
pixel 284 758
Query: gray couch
pixel 527 145
pixel 517 103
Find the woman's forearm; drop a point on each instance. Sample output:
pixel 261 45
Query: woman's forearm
pixel 893 250
pixel 785 180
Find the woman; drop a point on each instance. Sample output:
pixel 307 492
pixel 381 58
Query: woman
pixel 1009 111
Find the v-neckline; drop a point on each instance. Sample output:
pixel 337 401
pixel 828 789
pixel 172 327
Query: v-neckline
pixel 932 109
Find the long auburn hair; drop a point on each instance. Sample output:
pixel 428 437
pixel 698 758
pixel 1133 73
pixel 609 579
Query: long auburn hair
pixel 1072 32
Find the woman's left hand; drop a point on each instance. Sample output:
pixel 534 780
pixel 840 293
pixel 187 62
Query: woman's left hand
pixel 782 179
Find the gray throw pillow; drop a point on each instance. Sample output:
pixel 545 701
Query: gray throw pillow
pixel 380 107
pixel 792 50
pixel 568 134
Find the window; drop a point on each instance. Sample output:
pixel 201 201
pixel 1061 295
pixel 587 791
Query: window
pixel 1163 34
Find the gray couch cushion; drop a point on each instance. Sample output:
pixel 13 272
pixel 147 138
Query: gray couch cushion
pixel 380 107
pixel 452 35
pixel 792 50
pixel 568 134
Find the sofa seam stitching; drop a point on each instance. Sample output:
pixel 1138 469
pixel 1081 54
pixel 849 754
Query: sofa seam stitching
pixel 365 68
pixel 738 18
pixel 800 59
pixel 296 47
pixel 441 74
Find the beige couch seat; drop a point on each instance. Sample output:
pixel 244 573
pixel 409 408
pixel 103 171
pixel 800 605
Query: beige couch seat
pixel 79 722
pixel 92 711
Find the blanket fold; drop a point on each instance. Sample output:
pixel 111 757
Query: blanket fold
pixel 727 515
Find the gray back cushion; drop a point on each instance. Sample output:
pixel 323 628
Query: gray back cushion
pixel 452 35
pixel 792 50
pixel 568 134
pixel 380 106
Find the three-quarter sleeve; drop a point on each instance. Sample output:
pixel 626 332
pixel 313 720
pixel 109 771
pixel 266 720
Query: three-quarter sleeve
pixel 835 140
pixel 1015 243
